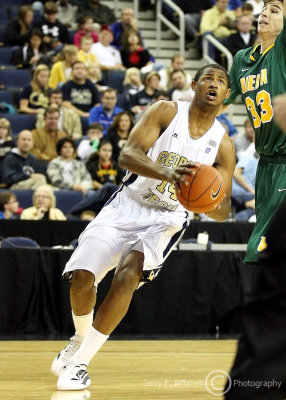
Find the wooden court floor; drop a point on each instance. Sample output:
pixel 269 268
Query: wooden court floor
pixel 121 370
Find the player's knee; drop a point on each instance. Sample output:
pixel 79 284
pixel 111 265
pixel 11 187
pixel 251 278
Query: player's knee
pixel 82 280
pixel 128 276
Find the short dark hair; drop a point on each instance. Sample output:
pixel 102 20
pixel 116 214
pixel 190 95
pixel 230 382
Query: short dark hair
pixel 77 62
pixel 54 91
pixel 5 197
pixel 177 70
pixel 108 90
pixel 61 142
pixel 95 125
pixel 216 66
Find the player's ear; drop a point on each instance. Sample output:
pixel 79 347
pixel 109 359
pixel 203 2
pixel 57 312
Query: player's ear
pixel 227 93
pixel 194 85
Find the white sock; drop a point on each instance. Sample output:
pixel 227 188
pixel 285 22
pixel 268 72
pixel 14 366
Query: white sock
pixel 92 342
pixel 82 324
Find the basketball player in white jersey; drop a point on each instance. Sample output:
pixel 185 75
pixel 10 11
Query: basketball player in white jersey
pixel 142 222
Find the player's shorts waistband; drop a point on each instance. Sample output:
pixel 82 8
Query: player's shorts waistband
pixel 277 159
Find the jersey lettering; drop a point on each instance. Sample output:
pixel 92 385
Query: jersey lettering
pixel 253 82
pixel 171 159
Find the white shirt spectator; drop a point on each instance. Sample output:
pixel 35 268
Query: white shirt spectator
pixel 106 55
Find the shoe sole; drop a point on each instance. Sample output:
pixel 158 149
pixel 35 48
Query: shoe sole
pixel 71 387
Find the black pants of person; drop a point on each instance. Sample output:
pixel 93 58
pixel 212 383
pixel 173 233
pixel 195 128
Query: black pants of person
pixel 259 369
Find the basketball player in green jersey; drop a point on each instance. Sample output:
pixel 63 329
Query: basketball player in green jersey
pixel 258 74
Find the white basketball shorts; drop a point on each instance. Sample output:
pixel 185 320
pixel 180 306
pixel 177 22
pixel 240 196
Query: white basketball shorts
pixel 124 225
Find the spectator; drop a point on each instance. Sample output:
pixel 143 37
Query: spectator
pixel 84 54
pixel 85 29
pixel 132 53
pixel 8 205
pixel 103 169
pixel 235 5
pixel 18 30
pixel 132 82
pixel 108 56
pixel 93 72
pixel 6 141
pixel 257 7
pixel 106 111
pixel 244 141
pixel 139 101
pixel 45 139
pixel 32 53
pixel 69 122
pixel 100 13
pixel 55 34
pixel 217 21
pixel 181 89
pixel 127 21
pixel 243 38
pixel 106 176
pixel 44 206
pixel 61 71
pixel 89 145
pixel 193 11
pixel 21 170
pixel 80 94
pixel 177 62
pixel 66 13
pixel 119 132
pixel 243 185
pixel 65 172
pixel 230 128
pixel 34 98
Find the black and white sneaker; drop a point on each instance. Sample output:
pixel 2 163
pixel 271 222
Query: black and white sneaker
pixel 65 355
pixel 73 376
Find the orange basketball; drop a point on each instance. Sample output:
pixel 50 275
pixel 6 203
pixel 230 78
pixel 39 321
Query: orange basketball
pixel 204 190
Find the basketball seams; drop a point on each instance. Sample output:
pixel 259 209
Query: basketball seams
pixel 201 194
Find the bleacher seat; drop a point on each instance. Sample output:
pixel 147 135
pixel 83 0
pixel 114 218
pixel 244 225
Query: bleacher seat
pixel 18 241
pixel 3 16
pixel 71 36
pixel 122 101
pixel 15 78
pixel 5 55
pixel 65 199
pixel 20 121
pixel 2 30
pixel 115 80
pixel 6 95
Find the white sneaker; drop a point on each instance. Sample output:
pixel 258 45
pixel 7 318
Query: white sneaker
pixel 73 376
pixel 65 355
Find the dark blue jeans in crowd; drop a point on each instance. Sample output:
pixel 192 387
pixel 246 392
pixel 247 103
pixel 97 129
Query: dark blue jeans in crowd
pixel 95 201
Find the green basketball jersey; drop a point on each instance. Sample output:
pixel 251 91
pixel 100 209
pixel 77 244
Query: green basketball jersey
pixel 258 78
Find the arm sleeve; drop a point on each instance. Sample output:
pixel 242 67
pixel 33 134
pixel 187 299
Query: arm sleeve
pixel 234 82
pixel 12 172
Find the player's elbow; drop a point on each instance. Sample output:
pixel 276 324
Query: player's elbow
pixel 124 158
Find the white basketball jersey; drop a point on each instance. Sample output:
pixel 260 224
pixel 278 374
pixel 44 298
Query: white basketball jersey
pixel 174 147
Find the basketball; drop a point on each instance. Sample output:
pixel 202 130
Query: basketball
pixel 204 190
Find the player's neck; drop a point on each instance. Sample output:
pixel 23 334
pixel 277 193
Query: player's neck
pixel 200 121
pixel 266 42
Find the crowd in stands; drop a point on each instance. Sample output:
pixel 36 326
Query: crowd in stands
pixel 90 80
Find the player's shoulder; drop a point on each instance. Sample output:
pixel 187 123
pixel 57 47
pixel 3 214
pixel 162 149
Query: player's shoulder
pixel 162 112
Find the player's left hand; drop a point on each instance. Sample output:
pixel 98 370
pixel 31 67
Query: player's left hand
pixel 185 169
